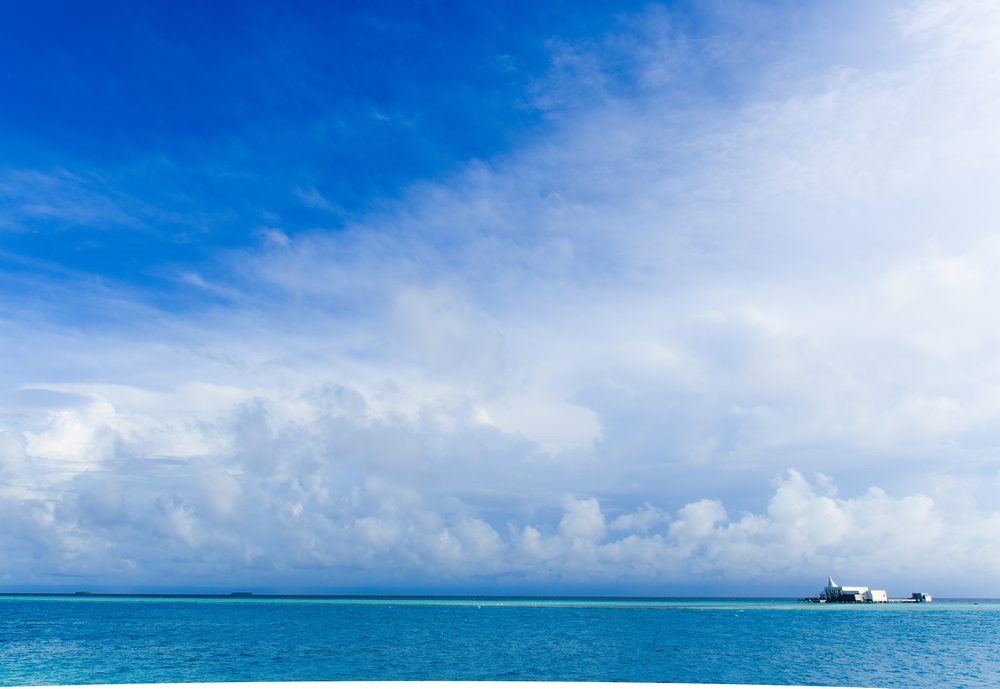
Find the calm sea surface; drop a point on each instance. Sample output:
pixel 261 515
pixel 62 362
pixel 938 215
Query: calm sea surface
pixel 81 640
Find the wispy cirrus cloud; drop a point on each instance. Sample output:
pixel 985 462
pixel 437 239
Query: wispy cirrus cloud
pixel 31 197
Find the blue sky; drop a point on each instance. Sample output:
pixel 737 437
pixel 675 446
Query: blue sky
pixel 646 298
pixel 222 118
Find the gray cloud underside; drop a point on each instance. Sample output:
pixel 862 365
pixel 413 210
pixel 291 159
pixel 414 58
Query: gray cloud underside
pixel 585 363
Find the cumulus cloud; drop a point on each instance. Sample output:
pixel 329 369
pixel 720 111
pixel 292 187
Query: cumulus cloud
pixel 289 518
pixel 580 362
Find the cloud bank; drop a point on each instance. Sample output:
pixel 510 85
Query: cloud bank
pixel 640 353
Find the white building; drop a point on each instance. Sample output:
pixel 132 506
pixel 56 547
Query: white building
pixel 844 594
pixel 835 593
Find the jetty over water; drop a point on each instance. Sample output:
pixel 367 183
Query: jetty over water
pixel 835 593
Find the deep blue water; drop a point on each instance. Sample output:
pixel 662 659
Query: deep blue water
pixel 81 640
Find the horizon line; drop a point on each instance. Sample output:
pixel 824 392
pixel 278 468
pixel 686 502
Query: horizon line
pixel 238 595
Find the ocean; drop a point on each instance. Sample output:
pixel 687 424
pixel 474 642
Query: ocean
pixel 97 639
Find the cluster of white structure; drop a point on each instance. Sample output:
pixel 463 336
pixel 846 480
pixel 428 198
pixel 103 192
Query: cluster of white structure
pixel 835 593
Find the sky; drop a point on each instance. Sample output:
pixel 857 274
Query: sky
pixel 682 298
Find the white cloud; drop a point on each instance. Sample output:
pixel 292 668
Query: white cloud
pixel 641 520
pixel 317 533
pixel 313 199
pixel 654 310
pixel 583 520
pixel 30 197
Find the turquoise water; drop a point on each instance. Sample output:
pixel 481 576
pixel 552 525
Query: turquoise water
pixel 96 639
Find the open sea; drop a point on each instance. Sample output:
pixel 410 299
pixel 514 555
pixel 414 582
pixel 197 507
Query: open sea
pixel 99 639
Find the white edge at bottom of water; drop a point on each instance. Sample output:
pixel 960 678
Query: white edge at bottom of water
pixel 423 685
